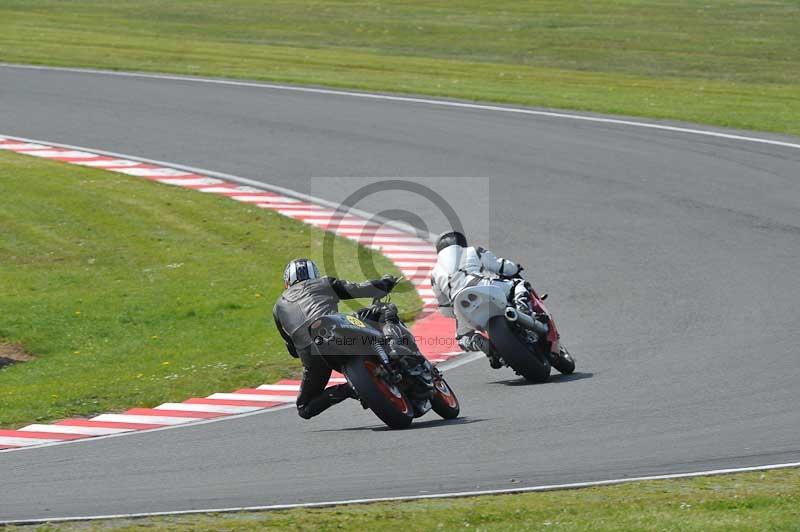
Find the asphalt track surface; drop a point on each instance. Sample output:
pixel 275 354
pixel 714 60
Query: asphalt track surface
pixel 671 260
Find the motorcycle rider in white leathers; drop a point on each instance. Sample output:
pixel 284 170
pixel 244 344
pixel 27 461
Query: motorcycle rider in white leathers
pixel 459 266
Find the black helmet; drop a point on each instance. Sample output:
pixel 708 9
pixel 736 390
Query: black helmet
pixel 299 270
pixel 450 238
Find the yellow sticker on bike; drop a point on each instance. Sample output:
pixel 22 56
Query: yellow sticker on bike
pixel 355 321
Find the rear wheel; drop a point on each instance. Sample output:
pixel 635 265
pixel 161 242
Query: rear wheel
pixel 564 363
pixel 522 357
pixel 383 398
pixel 444 401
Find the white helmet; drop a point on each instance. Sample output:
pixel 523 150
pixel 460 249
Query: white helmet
pixel 450 238
pixel 300 270
pixel 449 248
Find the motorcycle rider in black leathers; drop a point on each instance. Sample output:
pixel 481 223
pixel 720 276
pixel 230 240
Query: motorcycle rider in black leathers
pixel 309 296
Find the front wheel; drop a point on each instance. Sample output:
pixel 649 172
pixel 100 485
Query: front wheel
pixel 517 354
pixel 444 401
pixel 383 398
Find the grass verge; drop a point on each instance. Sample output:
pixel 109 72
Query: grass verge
pixel 749 501
pixel 131 293
pixel 728 62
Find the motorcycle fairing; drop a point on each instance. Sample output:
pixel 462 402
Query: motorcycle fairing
pixel 476 305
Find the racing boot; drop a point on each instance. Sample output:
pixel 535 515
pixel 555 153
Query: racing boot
pixel 329 397
pixel 522 297
pixel 477 342
pixel 392 332
pixel 340 392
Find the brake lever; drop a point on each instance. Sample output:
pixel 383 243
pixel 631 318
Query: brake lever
pixel 379 299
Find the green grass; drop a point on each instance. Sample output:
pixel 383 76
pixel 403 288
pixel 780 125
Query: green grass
pixel 728 62
pixel 751 501
pixel 132 293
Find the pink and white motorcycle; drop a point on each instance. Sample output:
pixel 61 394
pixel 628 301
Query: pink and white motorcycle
pixel 529 344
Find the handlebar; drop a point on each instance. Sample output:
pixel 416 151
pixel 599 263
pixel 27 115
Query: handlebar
pixel 379 299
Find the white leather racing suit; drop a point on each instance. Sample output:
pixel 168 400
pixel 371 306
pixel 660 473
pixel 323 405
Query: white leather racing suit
pixel 459 267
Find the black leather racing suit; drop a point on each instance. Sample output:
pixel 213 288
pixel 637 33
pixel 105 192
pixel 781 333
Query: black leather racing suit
pixel 297 307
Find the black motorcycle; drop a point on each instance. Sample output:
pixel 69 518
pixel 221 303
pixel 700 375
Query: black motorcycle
pixel 398 384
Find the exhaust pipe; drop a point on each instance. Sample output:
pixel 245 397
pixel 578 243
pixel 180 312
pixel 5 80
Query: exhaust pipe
pixel 526 321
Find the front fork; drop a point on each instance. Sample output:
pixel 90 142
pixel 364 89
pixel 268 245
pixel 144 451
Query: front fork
pixel 552 335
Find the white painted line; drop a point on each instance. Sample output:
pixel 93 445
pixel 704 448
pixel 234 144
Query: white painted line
pixel 153 172
pixel 412 244
pixel 418 100
pixel 231 189
pixel 299 206
pixel 108 163
pixel 391 239
pixel 194 407
pixel 456 494
pixel 377 232
pixel 406 272
pixel 19 146
pixel 267 411
pixel 23 442
pixel 331 225
pixel 150 420
pixel 416 252
pixel 353 224
pixel 218 190
pixel 312 214
pixel 69 429
pixel 50 443
pixel 280 206
pixel 414 266
pixel 255 198
pixel 68 154
pixel 280 387
pixel 190 182
pixel 397 248
pixel 337 223
pixel 326 219
pixel 465 358
pixel 415 269
pixel 293 213
pixel 428 258
pixel 254 397
pixel 278 199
